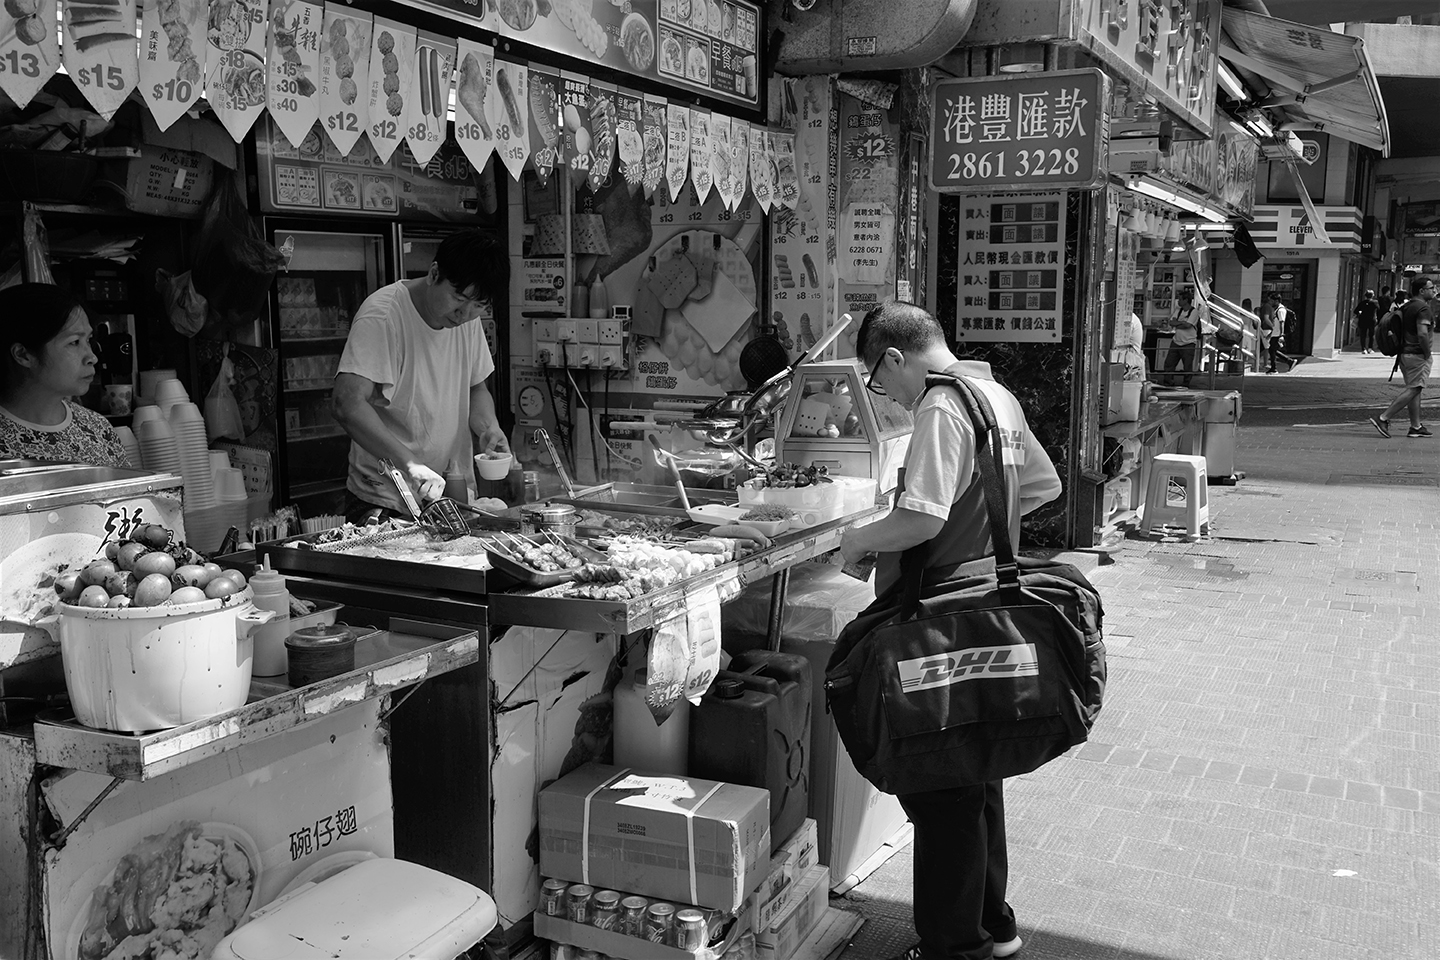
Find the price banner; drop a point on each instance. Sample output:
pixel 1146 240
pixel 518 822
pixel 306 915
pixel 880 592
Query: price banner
pixel 293 65
pixel 234 72
pixel 425 122
pixel 1034 131
pixel 603 121
pixel 100 52
pixel 740 158
pixel 392 68
pixel 472 113
pixel 760 168
pixel 677 148
pixel 345 76
pixel 545 142
pixel 656 133
pixel 787 180
pixel 700 153
pixel 172 48
pixel 630 138
pixel 577 153
pixel 720 160
pixel 30 50
pixel 508 113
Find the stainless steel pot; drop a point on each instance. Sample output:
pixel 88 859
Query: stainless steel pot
pixel 557 518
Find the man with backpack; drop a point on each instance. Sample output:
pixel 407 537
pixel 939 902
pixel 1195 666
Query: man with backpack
pixel 1412 358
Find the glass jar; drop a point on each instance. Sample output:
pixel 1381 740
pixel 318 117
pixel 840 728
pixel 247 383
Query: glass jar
pixel 532 486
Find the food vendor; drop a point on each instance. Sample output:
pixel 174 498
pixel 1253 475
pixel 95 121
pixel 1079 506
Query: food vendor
pixel 48 362
pixel 413 382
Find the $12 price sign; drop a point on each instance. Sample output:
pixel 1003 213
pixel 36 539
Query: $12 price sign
pixel 345 76
pixel 392 71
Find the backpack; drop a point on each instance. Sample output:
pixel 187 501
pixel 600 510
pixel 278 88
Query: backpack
pixel 985 670
pixel 1390 334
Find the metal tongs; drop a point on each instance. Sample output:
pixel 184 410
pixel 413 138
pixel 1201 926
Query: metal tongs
pixel 441 514
pixel 543 436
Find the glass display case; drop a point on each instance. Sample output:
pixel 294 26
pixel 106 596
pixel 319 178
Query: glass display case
pixel 831 420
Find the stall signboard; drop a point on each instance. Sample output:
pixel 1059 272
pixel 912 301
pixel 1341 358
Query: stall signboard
pixel 214 841
pixel 29 48
pixel 1011 268
pixel 316 177
pixel 1168 49
pixel 1024 132
pixel 710 47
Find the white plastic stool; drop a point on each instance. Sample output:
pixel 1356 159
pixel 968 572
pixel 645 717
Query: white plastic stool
pixel 1177 495
pixel 375 910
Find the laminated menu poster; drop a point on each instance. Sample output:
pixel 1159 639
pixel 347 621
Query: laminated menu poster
pixel 677 148
pixel 293 65
pixel 29 49
pixel 509 113
pixel 172 51
pixel 577 140
pixel 603 120
pixel 700 174
pixel 100 54
pixel 630 138
pixel 545 142
pixel 166 867
pixel 345 76
pixel 234 64
pixel 720 159
pixel 427 113
pixel 475 85
pixel 392 68
pixel 656 133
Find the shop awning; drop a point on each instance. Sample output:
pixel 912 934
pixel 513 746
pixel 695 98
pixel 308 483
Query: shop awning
pixel 1318 80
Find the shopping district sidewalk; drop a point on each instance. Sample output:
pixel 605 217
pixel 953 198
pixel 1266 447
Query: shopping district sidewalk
pixel 1264 779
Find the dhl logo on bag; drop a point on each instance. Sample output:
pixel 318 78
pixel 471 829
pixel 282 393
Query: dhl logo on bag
pixel 977 663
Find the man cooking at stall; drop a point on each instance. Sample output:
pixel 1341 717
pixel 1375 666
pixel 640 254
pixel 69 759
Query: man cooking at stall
pixel 413 384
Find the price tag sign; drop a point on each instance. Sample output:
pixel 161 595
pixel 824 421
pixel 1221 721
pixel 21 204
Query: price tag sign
pixel 473 90
pixel 508 114
pixel 677 148
pixel 234 72
pixel 29 50
pixel 293 66
pixel 545 142
pixel 700 173
pixel 603 122
pixel 720 159
pixel 392 70
pixel 430 97
pixel 100 54
pixel 630 138
pixel 740 159
pixel 172 55
pixel 344 76
pixel 760 168
pixel 1037 131
pixel 655 135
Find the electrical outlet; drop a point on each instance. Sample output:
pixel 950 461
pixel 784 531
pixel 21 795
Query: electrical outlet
pixel 587 331
pixel 573 353
pixel 547 355
pixel 567 330
pixel 610 332
pixel 611 357
pixel 544 331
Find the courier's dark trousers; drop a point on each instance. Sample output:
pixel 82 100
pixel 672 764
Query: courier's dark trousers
pixel 961 868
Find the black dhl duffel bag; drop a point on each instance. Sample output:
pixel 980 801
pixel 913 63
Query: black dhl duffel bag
pixel 977 672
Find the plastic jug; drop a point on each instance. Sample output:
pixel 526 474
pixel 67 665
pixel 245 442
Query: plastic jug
pixel 271 593
pixel 642 743
pixel 753 728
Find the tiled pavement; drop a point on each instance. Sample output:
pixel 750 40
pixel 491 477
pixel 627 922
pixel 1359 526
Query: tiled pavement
pixel 1264 780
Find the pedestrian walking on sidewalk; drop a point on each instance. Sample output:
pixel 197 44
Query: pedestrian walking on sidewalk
pixel 1413 361
pixel 1366 313
pixel 961 858
pixel 1273 315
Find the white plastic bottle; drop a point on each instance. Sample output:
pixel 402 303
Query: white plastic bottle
pixel 641 743
pixel 271 594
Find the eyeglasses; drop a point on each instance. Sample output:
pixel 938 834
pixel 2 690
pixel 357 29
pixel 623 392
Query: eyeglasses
pixel 870 383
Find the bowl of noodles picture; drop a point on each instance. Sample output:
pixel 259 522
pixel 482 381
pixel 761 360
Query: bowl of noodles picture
pixel 175 894
pixel 637 39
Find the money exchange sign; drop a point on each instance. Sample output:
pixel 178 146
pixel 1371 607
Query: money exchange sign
pixel 1037 131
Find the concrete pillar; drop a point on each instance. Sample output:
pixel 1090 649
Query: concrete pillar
pixel 1327 290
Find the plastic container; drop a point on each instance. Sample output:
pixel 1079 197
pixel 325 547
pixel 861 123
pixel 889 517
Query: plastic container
pixel 815 504
pixel 492 467
pixel 753 728
pixel 319 653
pixel 152 668
pixel 640 742
pixel 271 594
pixel 378 909
pixel 599 299
pixel 580 300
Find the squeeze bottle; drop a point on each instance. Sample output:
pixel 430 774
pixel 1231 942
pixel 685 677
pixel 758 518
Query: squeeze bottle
pixel 456 485
pixel 642 743
pixel 271 594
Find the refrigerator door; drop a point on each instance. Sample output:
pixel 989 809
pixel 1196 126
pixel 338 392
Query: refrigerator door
pixel 330 273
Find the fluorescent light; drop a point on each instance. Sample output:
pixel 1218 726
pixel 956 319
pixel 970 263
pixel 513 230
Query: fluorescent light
pixel 1160 191
pixel 1256 123
pixel 1230 83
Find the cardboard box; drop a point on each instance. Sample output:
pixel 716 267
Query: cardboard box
pixel 164 181
pixel 676 838
pixel 787 866
pixel 782 939
pixel 609 942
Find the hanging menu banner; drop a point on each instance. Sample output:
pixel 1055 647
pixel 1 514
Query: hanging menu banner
pixel 392 70
pixel 603 130
pixel 657 136
pixel 677 148
pixel 1024 132
pixel 577 141
pixel 1012 268
pixel 345 76
pixel 29 50
pixel 234 72
pixel 706 46
pixel 472 113
pixel 100 51
pixel 293 62
pixel 759 177
pixel 740 158
pixel 508 113
pixel 720 159
pixel 700 174
pixel 630 138
pixel 428 109
pixel 545 139
pixel 172 45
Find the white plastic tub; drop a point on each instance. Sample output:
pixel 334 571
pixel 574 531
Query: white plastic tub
pixel 152 668
pixel 813 505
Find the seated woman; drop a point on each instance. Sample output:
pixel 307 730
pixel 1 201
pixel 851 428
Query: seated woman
pixel 45 336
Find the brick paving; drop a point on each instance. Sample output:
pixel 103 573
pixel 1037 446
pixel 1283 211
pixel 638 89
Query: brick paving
pixel 1263 780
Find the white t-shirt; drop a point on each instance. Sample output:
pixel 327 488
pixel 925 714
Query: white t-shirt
pixel 424 377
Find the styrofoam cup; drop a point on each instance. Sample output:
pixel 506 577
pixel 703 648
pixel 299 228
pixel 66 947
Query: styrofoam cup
pixel 142 414
pixel 230 485
pixel 186 412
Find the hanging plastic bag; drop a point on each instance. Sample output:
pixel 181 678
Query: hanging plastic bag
pixel 222 412
pixel 234 266
pixel 184 307
pixel 36 262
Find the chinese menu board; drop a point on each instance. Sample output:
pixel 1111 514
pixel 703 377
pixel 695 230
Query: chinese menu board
pixel 708 46
pixel 1011 268
pixel 314 176
pixel 1041 130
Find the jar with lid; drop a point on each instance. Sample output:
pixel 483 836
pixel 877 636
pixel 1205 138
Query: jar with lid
pixel 558 518
pixel 531 480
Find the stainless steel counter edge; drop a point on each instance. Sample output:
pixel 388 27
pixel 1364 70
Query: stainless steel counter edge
pixel 134 483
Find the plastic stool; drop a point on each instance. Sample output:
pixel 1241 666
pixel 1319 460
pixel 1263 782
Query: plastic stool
pixel 1177 494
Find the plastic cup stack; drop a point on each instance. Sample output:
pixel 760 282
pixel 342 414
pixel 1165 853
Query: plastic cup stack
pixel 141 414
pixel 131 445
pixel 219 460
pixel 158 448
pixel 189 429
pixel 149 378
pixel 168 393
